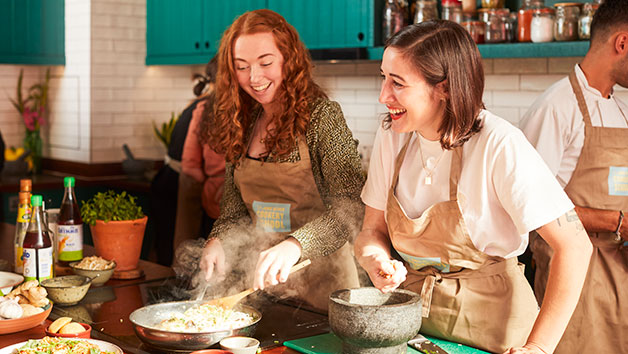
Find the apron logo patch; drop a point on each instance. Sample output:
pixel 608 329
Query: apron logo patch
pixel 272 217
pixel 618 181
pixel 417 263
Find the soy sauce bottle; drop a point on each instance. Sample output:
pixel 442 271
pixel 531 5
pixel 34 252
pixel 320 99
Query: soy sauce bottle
pixel 70 226
pixel 37 245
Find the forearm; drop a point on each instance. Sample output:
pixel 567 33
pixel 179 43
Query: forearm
pixel 568 268
pixel 373 240
pixel 600 220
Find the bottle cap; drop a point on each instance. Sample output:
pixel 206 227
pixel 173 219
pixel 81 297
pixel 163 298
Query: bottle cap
pixel 26 185
pixel 36 200
pixel 68 182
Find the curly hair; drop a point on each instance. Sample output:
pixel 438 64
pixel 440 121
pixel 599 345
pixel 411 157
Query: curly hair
pixel 233 107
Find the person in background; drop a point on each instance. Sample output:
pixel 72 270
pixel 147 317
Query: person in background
pixel 2 147
pixel 293 169
pixel 580 128
pixel 165 185
pixel 454 190
pixel 203 167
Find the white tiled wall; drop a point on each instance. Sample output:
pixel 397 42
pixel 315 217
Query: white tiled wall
pixel 105 96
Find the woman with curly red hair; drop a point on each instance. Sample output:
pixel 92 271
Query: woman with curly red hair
pixel 293 170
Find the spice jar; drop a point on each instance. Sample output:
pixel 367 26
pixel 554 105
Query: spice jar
pixel 425 10
pixel 524 18
pixel 566 24
pixel 475 29
pixel 495 24
pixel 584 23
pixel 393 19
pixel 493 4
pixel 542 25
pixel 451 10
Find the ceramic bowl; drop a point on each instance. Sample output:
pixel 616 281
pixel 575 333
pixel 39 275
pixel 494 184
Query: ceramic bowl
pixel 240 345
pixel 67 289
pixel 369 321
pixel 85 334
pixel 8 281
pixel 99 277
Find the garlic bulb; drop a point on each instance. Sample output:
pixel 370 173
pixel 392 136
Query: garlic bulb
pixel 10 309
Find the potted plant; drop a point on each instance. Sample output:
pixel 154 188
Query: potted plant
pixel 117 224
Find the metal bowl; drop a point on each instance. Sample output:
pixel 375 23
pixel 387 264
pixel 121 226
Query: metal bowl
pixel 146 319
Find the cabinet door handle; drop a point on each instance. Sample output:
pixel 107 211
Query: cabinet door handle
pixel 360 36
pixel 207 44
pixel 197 45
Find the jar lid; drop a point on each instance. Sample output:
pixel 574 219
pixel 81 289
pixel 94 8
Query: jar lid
pixel 451 2
pixel 503 10
pixel 567 4
pixel 544 10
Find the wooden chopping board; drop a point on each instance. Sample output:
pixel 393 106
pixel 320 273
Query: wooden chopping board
pixel 328 343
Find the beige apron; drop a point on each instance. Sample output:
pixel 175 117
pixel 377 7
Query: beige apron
pixel 282 197
pixel 600 322
pixel 468 296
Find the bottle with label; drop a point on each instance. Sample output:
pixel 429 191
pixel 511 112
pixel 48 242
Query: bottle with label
pixel 37 245
pixel 23 217
pixel 70 226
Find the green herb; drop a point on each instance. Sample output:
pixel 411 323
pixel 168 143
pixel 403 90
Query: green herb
pixel 165 133
pixel 110 206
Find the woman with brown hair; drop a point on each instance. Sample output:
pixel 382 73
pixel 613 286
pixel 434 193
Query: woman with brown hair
pixel 293 170
pixel 454 190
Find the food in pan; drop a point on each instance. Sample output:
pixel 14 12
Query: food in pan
pixel 56 345
pixel 205 318
pixel 94 263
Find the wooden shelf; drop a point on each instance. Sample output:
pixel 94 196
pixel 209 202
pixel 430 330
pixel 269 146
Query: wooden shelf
pixel 518 50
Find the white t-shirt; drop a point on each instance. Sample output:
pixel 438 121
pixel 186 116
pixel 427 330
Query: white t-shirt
pixel 555 127
pixel 505 188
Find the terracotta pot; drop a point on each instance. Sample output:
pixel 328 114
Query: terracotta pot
pixel 120 241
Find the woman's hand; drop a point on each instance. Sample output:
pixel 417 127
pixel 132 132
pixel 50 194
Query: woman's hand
pixel 386 274
pixel 529 348
pixel 273 265
pixel 213 260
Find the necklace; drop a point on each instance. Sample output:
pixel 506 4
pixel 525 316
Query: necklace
pixel 428 172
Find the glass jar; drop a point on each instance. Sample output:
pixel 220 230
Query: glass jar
pixel 475 29
pixel 524 17
pixel 542 25
pixel 495 30
pixel 425 10
pixel 511 27
pixel 393 19
pixel 493 4
pixel 566 24
pixel 451 10
pixel 584 23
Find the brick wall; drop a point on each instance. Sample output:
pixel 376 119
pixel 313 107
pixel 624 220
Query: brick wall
pixel 105 96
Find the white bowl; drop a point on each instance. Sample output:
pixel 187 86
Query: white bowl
pixel 240 345
pixel 8 281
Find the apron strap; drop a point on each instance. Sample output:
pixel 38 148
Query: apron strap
pixel 582 104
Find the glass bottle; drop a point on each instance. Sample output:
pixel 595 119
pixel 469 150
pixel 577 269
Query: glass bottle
pixel 495 22
pixel 23 217
pixel 425 11
pixel 584 23
pixel 393 19
pixel 542 25
pixel 566 24
pixel 69 226
pixel 451 10
pixel 524 18
pixel 37 246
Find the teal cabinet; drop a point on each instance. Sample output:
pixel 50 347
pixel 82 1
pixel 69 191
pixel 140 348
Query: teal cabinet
pixel 189 31
pixel 328 24
pixel 33 32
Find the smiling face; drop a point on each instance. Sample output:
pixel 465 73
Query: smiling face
pixel 258 64
pixel 413 104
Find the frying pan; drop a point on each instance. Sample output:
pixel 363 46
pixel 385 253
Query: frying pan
pixel 146 319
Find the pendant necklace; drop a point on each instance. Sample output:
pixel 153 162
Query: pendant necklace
pixel 428 172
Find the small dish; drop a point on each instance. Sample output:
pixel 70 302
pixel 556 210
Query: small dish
pixel 85 334
pixel 8 280
pixel 68 289
pixel 21 324
pixel 240 345
pixel 99 277
pixel 211 351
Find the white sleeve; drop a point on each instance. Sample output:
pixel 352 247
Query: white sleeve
pixel 548 132
pixel 375 191
pixel 524 185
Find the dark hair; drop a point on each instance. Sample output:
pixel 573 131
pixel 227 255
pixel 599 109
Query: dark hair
pixel 609 16
pixel 208 78
pixel 234 107
pixel 204 126
pixel 443 50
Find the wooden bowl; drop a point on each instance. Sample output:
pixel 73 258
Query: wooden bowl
pixel 85 334
pixel 20 324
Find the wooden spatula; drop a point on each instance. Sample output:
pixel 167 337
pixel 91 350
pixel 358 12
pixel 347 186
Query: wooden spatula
pixel 229 302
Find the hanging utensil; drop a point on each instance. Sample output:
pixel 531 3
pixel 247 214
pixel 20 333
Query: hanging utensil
pixel 229 302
